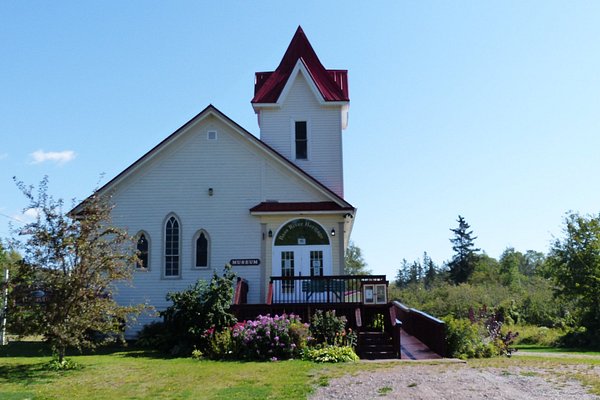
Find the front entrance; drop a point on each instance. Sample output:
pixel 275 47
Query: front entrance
pixel 301 249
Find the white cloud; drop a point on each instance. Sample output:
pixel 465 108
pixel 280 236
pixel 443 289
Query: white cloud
pixel 59 157
pixel 3 156
pixel 27 216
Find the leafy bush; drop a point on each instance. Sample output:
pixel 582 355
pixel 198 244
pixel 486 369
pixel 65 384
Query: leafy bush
pixel 219 344
pixel 196 310
pixel 66 364
pixel 327 328
pixel 477 338
pixel 278 337
pixel 331 354
pixel 537 335
pixel 154 335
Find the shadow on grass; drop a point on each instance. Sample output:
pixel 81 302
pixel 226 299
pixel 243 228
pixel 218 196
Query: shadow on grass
pixel 26 374
pixel 26 349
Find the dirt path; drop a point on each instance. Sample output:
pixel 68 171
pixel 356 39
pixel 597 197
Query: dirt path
pixel 460 381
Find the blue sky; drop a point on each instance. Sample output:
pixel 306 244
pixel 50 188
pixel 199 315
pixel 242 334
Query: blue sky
pixel 490 110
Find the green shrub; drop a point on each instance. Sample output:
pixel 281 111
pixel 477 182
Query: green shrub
pixel 201 307
pixel 463 338
pixel 327 328
pixel 65 365
pixel 154 335
pixel 331 354
pixel 537 335
pixel 220 345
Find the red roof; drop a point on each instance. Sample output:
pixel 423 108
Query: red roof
pixel 332 84
pixel 272 206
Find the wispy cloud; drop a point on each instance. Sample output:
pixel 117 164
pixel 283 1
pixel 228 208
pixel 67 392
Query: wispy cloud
pixel 59 157
pixel 3 156
pixel 27 216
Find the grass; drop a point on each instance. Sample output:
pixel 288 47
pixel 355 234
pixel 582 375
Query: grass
pixel 533 348
pixel 137 374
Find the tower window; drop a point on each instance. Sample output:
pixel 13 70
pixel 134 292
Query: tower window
pixel 301 140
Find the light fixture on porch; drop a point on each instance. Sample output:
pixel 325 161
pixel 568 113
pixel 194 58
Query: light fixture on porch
pixel 210 191
pixel 332 231
pixel 270 233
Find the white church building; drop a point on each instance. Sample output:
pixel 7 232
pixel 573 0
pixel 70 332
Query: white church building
pixel 211 193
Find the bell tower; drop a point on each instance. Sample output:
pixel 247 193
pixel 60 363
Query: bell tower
pixel 302 109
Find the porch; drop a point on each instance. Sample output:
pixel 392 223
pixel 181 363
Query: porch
pixel 386 329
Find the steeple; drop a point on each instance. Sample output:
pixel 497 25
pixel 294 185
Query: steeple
pixel 302 109
pixel 332 84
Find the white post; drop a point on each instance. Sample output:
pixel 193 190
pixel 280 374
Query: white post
pixel 4 340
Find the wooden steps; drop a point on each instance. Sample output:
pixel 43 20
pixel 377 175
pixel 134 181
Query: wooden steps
pixel 376 346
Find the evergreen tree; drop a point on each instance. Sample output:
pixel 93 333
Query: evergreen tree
pixel 430 270
pixel 462 264
pixel 402 277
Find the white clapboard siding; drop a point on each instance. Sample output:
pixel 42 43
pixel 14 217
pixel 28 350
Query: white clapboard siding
pixel 176 182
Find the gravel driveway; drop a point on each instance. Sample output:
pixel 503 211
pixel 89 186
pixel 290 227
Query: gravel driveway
pixel 460 381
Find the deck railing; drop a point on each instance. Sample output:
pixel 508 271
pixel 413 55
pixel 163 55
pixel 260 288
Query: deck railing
pixel 320 289
pixel 423 326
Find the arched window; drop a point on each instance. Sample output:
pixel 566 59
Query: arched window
pixel 143 251
pixel 172 247
pixel 202 249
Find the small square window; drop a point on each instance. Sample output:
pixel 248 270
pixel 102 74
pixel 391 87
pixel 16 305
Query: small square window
pixel 212 135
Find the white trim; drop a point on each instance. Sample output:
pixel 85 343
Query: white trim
pixel 211 111
pixel 300 68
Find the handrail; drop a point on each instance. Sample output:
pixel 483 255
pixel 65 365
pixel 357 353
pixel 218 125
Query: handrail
pixel 241 291
pixel 322 289
pixel 428 329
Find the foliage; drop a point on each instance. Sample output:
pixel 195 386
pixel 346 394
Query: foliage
pixel 326 327
pixel 330 354
pixel 66 364
pixel 196 310
pixel 377 323
pixel 63 289
pixel 462 264
pixel 465 339
pixel 154 335
pixel 536 335
pixel 275 338
pixel 574 265
pixel 220 344
pixel 355 262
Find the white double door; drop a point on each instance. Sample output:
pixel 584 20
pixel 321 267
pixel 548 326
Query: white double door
pixel 312 260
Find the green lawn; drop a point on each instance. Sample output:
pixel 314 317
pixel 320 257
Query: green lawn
pixel 136 374
pixel 549 349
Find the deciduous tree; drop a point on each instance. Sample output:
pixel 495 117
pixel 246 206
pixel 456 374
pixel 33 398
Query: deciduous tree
pixel 574 264
pixel 65 284
pixel 355 262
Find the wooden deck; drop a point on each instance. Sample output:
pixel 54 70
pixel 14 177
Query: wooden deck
pixel 413 349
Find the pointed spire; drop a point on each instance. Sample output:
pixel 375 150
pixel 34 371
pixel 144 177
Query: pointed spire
pixel 332 84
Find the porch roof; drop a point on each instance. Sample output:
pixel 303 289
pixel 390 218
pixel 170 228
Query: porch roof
pixel 303 207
